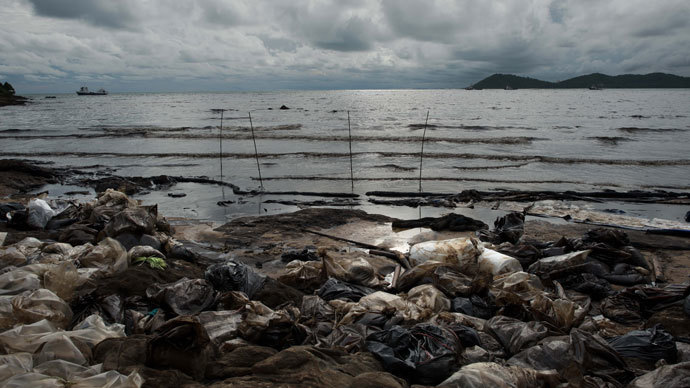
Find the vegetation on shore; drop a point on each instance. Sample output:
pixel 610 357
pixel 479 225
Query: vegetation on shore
pixel 652 80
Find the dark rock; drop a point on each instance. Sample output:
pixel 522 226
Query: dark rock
pixel 176 195
pixel 283 107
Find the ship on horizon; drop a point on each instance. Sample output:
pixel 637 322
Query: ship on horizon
pixel 84 91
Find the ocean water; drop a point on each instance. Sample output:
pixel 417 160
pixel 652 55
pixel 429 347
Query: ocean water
pixel 490 139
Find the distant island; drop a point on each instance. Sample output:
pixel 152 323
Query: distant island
pixel 7 96
pixel 592 81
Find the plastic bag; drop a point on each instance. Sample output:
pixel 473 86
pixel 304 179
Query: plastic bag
pixel 221 326
pixel 109 256
pixel 15 364
pixel 428 297
pixel 558 263
pixel 41 304
pixel 595 356
pixel 651 344
pixel 136 221
pixel 63 279
pixel 514 334
pixel 306 276
pixel 143 251
pixel 233 276
pixel 335 289
pixel 181 343
pixel 473 306
pixel 491 374
pixel 666 376
pixel 383 302
pixel 60 347
pixel 445 277
pixel 19 280
pixel 461 253
pixel 497 263
pixel 508 228
pixel 425 354
pixel 33 380
pixel 351 270
pixel 184 297
pixel 39 213
pixel 551 353
pixel 559 312
pixel 11 256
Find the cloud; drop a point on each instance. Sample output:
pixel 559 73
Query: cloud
pixel 246 44
pixel 106 13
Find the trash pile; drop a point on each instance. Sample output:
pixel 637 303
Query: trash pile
pixel 115 301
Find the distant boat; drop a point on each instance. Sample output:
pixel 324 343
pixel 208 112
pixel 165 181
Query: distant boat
pixel 508 87
pixel 84 91
pixel 595 87
pixel 471 87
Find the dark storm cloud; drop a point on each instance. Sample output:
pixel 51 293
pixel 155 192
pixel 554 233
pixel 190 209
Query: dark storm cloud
pixel 223 44
pixel 107 13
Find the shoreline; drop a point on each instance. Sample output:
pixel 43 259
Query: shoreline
pixel 250 296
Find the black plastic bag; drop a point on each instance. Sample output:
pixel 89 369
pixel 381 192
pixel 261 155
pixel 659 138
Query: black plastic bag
pixel 306 254
pixel 424 354
pixel 184 297
pixel 508 228
pixel 233 276
pixel 453 222
pixel 474 306
pixel 335 289
pixel 651 344
pixel 467 336
pixel 589 284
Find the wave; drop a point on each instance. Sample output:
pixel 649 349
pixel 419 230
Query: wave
pixel 638 129
pixel 609 140
pixel 468 127
pixel 316 155
pixel 516 140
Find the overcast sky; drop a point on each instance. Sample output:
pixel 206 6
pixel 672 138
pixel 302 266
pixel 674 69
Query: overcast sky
pixel 197 45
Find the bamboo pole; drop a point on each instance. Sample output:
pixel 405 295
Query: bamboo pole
pixel 256 153
pixel 349 133
pixel 220 143
pixel 421 156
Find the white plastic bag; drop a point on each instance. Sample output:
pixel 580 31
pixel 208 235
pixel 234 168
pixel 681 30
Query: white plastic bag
pixel 39 213
pixel 497 263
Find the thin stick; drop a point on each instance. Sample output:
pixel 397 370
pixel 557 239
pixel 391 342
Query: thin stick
pixel 220 142
pixel 256 153
pixel 349 133
pixel 421 156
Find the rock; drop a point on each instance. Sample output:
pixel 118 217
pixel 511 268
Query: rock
pixel 283 107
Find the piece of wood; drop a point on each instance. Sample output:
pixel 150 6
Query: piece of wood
pixel 389 253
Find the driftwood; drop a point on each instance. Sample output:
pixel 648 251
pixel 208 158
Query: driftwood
pixel 373 249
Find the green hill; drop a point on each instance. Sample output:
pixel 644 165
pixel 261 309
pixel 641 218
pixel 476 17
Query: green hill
pixel 500 81
pixel 652 80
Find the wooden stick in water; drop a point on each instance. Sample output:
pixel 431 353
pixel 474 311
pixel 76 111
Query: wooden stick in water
pixel 220 142
pixel 349 132
pixel 421 156
pixel 256 153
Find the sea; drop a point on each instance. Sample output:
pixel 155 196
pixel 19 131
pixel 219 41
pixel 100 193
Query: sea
pixel 357 141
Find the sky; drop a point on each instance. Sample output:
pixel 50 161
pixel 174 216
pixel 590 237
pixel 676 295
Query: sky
pixel 235 45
